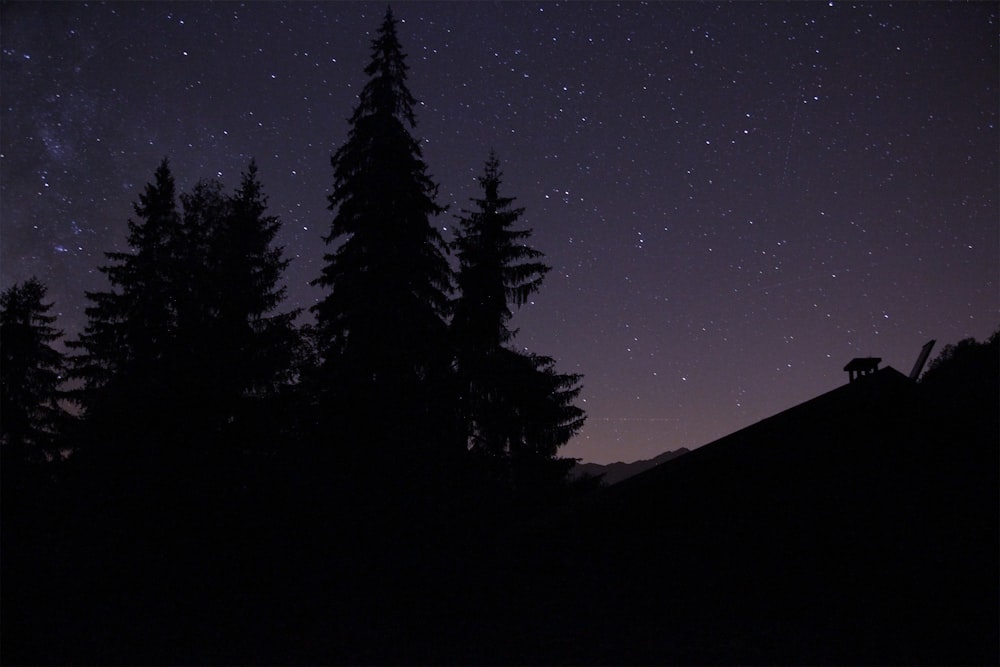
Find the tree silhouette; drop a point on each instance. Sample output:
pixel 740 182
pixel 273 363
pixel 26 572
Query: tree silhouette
pixel 961 382
pixel 965 359
pixel 260 342
pixel 31 374
pixel 125 347
pixel 197 291
pixel 186 337
pixel 381 325
pixel 517 410
pixel 497 271
pixel 231 347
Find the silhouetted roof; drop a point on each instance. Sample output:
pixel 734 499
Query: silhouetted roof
pixel 862 401
pixel 817 535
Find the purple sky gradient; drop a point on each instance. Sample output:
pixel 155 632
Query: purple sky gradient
pixel 736 199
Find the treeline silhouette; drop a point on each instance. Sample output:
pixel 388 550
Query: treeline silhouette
pixel 204 465
pixel 192 349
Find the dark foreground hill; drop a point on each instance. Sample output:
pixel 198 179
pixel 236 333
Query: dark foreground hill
pixel 858 527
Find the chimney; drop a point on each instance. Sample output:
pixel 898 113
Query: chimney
pixel 862 366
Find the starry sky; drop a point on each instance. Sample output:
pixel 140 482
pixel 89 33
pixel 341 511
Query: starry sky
pixel 736 199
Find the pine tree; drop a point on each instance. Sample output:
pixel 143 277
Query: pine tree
pixel 31 374
pixel 516 408
pixel 197 282
pixel 235 349
pixel 197 358
pixel 260 342
pixel 497 271
pixel 125 347
pixel 186 335
pixel 382 325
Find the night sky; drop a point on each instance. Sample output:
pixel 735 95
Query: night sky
pixel 736 199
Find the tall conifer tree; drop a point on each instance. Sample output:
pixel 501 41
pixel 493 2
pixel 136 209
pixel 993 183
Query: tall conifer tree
pixel 187 330
pixel 197 291
pixel 234 347
pixel 497 271
pixel 31 374
pixel 381 324
pixel 131 327
pixel 260 340
pixel 517 410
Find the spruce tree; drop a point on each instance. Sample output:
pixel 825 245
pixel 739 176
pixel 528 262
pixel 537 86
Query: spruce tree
pixel 31 374
pixel 259 341
pixel 197 356
pixel 198 282
pixel 186 337
pixel 235 349
pixel 381 324
pixel 516 409
pixel 126 346
pixel 497 271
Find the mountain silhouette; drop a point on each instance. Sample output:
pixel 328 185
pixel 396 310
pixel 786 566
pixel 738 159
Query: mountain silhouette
pixel 612 473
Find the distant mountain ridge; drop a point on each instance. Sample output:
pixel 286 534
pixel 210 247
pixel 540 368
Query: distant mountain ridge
pixel 612 473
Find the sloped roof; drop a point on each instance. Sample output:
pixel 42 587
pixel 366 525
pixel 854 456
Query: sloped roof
pixel 850 528
pixel 861 402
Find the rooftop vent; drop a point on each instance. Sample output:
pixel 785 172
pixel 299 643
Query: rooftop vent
pixel 862 366
pixel 921 360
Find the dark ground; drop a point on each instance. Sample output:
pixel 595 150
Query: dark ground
pixel 859 527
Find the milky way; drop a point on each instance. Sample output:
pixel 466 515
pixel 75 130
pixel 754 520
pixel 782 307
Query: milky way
pixel 736 199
